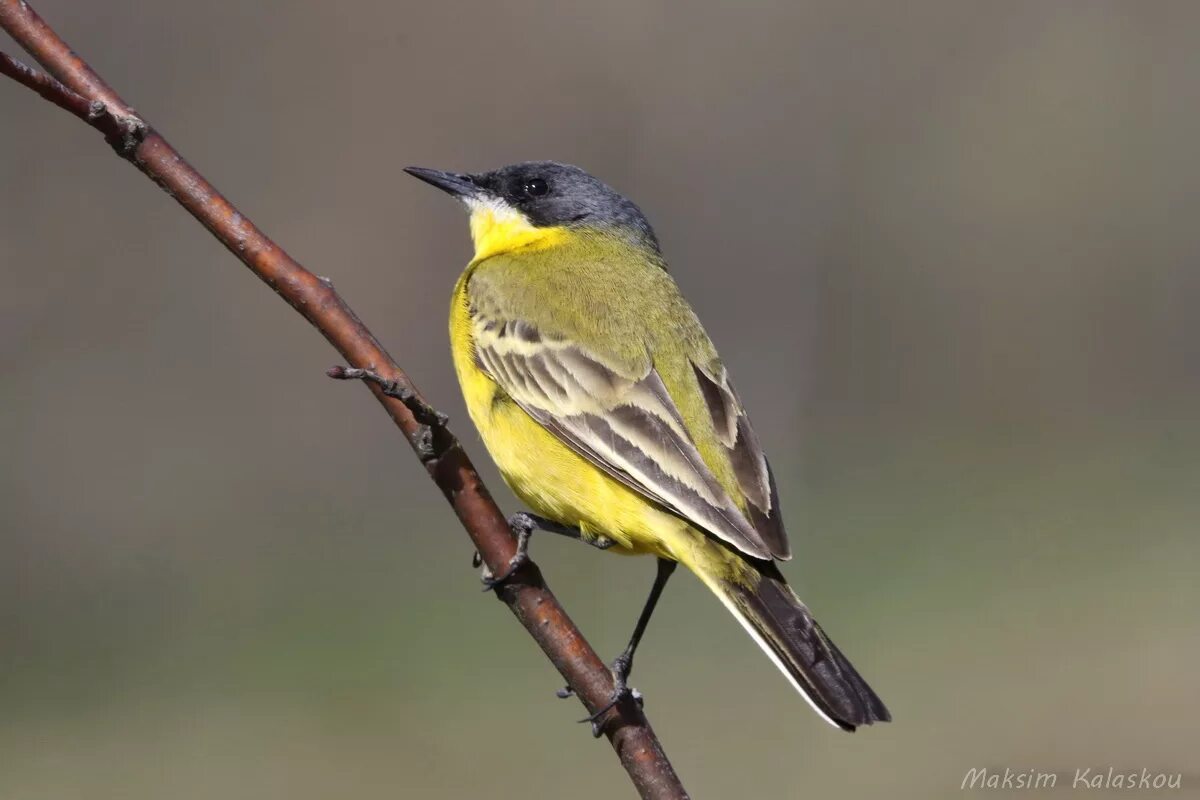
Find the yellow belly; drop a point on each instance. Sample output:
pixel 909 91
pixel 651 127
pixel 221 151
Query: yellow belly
pixel 555 482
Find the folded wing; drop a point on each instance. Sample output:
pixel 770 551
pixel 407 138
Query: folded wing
pixel 620 416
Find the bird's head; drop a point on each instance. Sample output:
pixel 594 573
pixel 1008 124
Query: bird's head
pixel 539 203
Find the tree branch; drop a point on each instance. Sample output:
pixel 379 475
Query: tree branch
pixel 72 85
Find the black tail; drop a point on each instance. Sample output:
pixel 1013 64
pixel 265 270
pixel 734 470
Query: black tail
pixel 782 626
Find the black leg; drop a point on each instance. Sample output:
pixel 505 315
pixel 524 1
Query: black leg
pixel 622 666
pixel 534 522
pixel 523 525
pixel 625 660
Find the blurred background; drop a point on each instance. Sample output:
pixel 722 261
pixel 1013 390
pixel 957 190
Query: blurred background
pixel 948 250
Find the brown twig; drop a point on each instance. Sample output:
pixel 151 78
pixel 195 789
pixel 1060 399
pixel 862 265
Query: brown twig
pixel 73 86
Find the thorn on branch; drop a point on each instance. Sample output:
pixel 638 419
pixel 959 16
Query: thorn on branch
pixel 124 134
pixel 425 413
pixel 130 132
pixel 135 134
pixel 430 418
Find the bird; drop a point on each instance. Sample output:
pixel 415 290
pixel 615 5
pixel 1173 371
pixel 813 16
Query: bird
pixel 610 415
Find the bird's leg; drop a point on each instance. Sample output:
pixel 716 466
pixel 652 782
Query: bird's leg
pixel 523 524
pixel 622 665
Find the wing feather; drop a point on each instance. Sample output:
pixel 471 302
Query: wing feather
pixel 628 426
pixel 750 464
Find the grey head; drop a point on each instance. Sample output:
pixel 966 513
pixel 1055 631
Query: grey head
pixel 548 194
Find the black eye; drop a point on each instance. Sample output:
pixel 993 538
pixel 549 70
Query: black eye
pixel 534 187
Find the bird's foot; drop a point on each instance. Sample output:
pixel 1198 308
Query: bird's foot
pixel 620 668
pixel 522 525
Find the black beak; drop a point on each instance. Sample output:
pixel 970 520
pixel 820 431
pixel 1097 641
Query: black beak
pixel 452 183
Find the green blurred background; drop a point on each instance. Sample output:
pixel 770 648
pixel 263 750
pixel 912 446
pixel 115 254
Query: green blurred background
pixel 948 249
